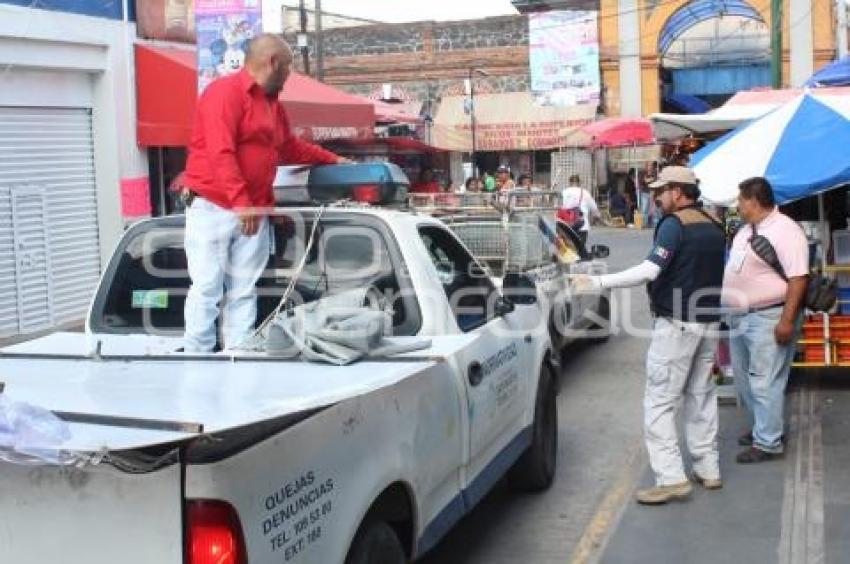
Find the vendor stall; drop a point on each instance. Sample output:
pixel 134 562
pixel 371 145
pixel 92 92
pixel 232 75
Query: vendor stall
pixel 801 148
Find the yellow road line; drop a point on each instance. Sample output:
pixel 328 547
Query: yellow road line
pixel 610 509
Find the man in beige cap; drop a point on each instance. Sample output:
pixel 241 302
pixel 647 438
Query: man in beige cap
pixel 684 273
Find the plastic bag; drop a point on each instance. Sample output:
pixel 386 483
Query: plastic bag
pixel 30 434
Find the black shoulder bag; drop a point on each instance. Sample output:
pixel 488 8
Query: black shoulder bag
pixel 821 292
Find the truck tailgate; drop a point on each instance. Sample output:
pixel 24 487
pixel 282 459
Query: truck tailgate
pixel 96 515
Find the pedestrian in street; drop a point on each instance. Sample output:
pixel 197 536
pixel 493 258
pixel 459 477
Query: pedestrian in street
pixel 765 314
pixel 576 197
pixel 504 180
pixel 684 273
pixel 489 182
pixel 427 183
pixel 240 134
pixel 474 185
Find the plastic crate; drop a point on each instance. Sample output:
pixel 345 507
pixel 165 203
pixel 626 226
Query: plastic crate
pixel 844 300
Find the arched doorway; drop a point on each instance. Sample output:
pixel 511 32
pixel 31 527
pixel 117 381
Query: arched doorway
pixel 710 49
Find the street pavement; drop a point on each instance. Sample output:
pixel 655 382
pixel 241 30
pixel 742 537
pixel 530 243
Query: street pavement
pixel 600 449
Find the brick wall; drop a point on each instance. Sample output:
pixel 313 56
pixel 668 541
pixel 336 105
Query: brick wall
pixel 428 59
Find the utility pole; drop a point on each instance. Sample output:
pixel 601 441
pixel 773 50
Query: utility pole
pixel 472 120
pixel 320 43
pixel 472 72
pixel 841 32
pixel 776 43
pixel 302 39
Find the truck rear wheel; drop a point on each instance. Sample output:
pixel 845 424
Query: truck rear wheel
pixel 376 543
pixel 535 469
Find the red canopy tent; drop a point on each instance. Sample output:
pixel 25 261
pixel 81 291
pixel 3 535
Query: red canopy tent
pixel 166 82
pixel 393 113
pixel 320 112
pixel 619 132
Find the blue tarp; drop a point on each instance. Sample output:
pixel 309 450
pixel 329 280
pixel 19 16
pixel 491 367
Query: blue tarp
pixel 687 104
pixel 835 74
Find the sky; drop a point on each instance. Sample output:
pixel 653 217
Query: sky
pixel 411 10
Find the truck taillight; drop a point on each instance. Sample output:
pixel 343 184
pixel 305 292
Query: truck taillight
pixel 214 534
pixel 366 193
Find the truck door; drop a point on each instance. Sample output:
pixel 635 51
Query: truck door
pixel 495 370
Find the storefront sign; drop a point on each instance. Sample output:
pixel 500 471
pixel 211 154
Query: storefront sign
pixel 564 57
pixel 507 122
pixel 224 29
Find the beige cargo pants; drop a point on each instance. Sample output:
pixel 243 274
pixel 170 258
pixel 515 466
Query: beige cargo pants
pixel 678 374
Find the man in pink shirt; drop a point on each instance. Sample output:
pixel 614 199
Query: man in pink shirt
pixel 765 313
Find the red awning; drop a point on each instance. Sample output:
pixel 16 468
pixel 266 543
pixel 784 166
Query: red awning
pixel 167 89
pixel 618 132
pixel 385 145
pixel 320 112
pixel 394 113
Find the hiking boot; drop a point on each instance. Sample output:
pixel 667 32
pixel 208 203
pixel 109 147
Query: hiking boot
pixel 659 495
pixel 708 483
pixel 754 455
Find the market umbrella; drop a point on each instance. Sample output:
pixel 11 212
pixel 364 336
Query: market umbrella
pixel 801 148
pixel 618 132
pixel 319 112
pixel 835 74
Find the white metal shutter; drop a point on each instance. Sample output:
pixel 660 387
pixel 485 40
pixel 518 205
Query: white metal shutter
pixel 52 150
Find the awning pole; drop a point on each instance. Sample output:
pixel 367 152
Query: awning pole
pixel 824 229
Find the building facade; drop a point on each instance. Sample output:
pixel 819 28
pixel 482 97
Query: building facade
pixel 67 150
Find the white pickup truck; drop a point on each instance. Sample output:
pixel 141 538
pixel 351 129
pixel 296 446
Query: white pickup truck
pixel 238 457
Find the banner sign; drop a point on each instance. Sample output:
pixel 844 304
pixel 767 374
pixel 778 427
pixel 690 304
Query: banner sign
pixel 223 29
pixel 507 121
pixel 563 54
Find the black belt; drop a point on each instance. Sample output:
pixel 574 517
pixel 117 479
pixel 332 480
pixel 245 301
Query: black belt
pixel 762 308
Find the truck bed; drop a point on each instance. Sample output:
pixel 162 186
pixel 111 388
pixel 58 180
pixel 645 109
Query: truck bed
pixel 157 397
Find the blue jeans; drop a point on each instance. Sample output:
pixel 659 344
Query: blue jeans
pixel 761 367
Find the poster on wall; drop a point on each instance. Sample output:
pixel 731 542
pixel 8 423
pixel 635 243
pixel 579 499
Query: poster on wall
pixel 564 57
pixel 223 29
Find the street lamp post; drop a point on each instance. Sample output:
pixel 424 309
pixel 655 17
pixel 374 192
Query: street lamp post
pixel 472 72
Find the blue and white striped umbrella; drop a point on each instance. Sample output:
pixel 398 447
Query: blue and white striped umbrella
pixel 802 148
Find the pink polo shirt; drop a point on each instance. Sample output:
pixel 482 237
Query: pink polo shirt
pixel 748 281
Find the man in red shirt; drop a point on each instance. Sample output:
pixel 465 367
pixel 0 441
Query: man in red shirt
pixel 241 134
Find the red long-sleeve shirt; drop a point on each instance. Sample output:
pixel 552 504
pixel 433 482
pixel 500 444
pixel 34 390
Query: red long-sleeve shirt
pixel 240 136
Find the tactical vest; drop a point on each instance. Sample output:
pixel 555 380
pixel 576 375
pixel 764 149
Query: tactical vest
pixel 689 288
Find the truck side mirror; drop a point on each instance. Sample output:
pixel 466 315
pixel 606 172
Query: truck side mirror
pixel 519 288
pixel 600 251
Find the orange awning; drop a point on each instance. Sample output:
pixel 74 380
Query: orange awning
pixel 166 91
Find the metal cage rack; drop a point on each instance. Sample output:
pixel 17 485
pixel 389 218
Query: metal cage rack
pixel 501 229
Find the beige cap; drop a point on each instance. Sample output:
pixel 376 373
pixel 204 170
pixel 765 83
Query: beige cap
pixel 674 174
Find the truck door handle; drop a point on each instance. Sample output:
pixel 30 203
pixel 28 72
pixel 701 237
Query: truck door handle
pixel 474 373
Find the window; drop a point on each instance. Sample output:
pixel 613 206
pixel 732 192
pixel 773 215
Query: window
pixel 468 288
pixel 148 281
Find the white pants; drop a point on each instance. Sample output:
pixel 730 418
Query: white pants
pixel 221 258
pixel 678 368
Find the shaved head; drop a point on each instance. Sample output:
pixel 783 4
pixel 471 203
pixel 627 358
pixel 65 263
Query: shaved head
pixel 267 45
pixel 268 60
